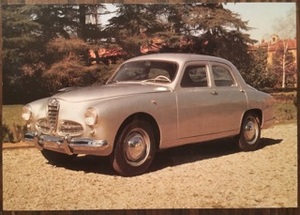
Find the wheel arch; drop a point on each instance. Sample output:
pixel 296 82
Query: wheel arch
pixel 250 131
pixel 257 112
pixel 141 116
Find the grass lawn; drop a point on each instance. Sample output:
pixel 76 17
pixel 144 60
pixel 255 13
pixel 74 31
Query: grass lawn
pixel 284 108
pixel 12 124
pixel 285 112
pixel 12 114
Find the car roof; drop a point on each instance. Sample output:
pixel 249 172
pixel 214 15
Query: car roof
pixel 178 57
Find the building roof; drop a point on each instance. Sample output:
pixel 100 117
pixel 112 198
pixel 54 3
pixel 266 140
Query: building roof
pixel 273 45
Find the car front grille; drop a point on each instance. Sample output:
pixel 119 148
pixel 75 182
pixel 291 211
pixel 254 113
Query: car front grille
pixel 43 126
pixel 53 109
pixel 52 126
pixel 70 128
pixel 66 127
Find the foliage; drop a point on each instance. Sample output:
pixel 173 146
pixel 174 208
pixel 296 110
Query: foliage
pixel 213 29
pixel 75 74
pixel 30 34
pixel 20 35
pixel 285 26
pixel 258 74
pixel 131 26
pixel 60 48
pixel 69 68
pixel 221 33
pixel 12 134
pixel 13 128
pixel 283 65
pixel 65 21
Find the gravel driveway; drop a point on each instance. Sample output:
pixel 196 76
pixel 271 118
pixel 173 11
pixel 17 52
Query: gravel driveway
pixel 208 175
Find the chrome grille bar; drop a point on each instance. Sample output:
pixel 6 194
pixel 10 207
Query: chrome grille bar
pixel 53 109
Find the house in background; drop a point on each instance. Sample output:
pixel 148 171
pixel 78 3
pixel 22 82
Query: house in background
pixel 276 44
pixel 281 58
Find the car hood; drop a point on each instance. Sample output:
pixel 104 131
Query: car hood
pixel 107 91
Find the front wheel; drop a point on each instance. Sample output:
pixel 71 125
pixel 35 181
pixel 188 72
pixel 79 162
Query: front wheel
pixel 249 137
pixel 135 148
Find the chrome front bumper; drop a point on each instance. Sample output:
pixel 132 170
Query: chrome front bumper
pixel 68 145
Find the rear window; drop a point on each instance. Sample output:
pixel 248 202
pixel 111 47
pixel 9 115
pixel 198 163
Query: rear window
pixel 222 76
pixel 195 76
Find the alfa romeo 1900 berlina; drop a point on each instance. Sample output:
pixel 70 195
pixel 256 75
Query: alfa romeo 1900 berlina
pixel 151 102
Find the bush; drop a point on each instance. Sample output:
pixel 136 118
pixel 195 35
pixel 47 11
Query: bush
pixel 285 106
pixel 13 134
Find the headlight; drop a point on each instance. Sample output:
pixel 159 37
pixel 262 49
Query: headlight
pixel 91 117
pixel 26 112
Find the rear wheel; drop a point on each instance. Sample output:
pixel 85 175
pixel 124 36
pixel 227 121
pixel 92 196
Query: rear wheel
pixel 249 137
pixel 135 148
pixel 56 157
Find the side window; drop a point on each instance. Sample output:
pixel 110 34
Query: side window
pixel 222 76
pixel 194 76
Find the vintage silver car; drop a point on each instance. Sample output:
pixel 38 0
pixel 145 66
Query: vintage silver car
pixel 151 102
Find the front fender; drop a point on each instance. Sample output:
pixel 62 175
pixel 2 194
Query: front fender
pixel 113 112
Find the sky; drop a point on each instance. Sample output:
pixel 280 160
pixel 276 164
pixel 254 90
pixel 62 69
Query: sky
pixel 260 16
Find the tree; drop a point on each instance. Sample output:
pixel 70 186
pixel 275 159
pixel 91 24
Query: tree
pixel 27 31
pixel 70 69
pixel 285 27
pixel 19 36
pixel 219 32
pixel 20 45
pixel 258 75
pixel 283 60
pixel 132 24
pixel 68 21
pixel 209 28
pixel 284 64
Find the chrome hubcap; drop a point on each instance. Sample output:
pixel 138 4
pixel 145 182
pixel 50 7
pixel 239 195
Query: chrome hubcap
pixel 250 131
pixel 137 145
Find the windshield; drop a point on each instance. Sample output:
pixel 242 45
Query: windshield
pixel 156 71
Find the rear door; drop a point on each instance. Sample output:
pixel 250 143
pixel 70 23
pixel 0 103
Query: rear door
pixel 229 98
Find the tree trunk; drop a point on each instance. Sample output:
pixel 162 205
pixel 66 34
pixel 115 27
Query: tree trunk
pixel 285 50
pixel 283 71
pixel 82 22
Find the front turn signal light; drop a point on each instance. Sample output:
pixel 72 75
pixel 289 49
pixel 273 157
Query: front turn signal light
pixel 26 112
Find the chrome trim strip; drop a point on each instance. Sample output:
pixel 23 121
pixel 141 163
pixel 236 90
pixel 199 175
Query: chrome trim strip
pixel 66 144
pixel 33 136
pixel 86 142
pixel 29 136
